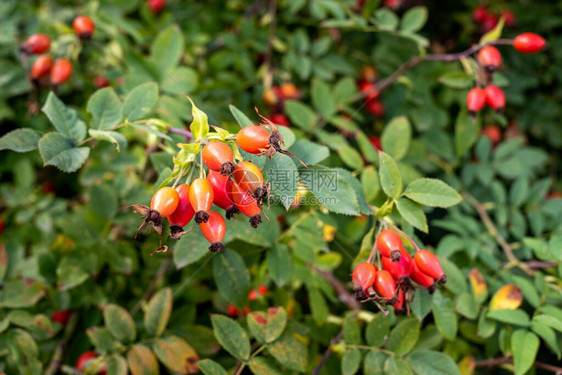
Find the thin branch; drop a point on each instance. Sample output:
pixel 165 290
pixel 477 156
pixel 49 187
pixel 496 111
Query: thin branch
pixel 186 133
pixel 537 264
pixel 494 362
pixel 326 355
pixel 148 293
pixel 340 288
pixel 58 355
pixel 384 83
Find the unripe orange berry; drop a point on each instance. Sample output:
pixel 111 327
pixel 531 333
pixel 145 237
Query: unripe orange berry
pixel 165 201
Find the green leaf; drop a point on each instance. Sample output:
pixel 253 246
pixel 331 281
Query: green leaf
pixel 351 361
pixel 176 354
pixel 120 323
pixel 386 19
pixel 231 336
pixel 290 352
pixel 240 117
pixel 64 119
pixel 396 137
pixel 210 367
pixel 404 336
pixel 466 132
pixel 414 19
pixel 456 282
pixel 374 363
pixel 457 80
pixel 114 137
pixel 351 157
pixel 167 48
pixel 421 306
pixel 232 277
pixel 23 350
pixel 158 312
pixel 267 326
pixel 19 293
pixel 20 140
pixel 140 101
pixel 550 321
pixel 105 107
pixel 300 114
pixel 3 262
pixel 525 346
pixel 200 125
pixel 103 201
pixel 432 192
pixel 280 264
pixel 102 339
pixel 309 152
pixel 377 330
pixel 389 176
pixel 370 183
pixel 116 365
pixel 180 80
pixel 190 249
pixel 443 309
pixel 322 98
pixel 517 317
pixel 351 331
pixel 331 189
pixel 548 335
pixel 466 306
pixel 261 365
pixel 528 289
pixel 61 152
pixel 366 147
pixel 318 306
pixel 282 176
pixel 486 327
pixel 429 362
pixel 412 213
pixel 70 274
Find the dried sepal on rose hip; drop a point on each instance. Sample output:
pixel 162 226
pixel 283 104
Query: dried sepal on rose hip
pixel 218 156
pixel 201 197
pixel 214 230
pixel 256 139
pixel 389 244
pixel 163 204
pixel 36 44
pixel 363 278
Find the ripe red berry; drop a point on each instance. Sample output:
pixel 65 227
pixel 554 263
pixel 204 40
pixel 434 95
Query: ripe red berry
pixel 479 13
pixel 232 311
pixel 214 230
pixel 1 226
pixel 253 295
pixel 246 204
pixel 389 244
pixel 156 6
pixel 253 139
pixel 489 22
pixel 85 361
pixel 218 156
pixel 61 71
pixel 263 290
pixel 400 268
pixel 289 91
pixel 376 142
pixel 201 197
pixel 385 284
pixel 421 278
pixel 61 316
pixel 475 100
pixel 183 212
pixel 375 107
pixel 399 307
pixel 495 97
pixel 363 276
pixel 41 67
pixel 165 201
pixel 493 133
pixel 279 119
pixel 249 178
pixel 101 81
pixel 529 43
pixel 36 44
pixel 509 18
pixel 84 27
pixel 490 58
pixel 369 90
pixel 222 185
pixel 429 264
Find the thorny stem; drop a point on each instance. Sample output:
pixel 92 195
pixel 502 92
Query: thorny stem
pixel 58 355
pixel 148 293
pixel 493 362
pixel 479 207
pixel 384 83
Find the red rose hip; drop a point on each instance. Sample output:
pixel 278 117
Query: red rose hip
pixel 529 43
pixel 84 27
pixel 429 264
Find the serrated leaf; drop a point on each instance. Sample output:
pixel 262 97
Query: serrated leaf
pixel 396 137
pixel 377 330
pixel 189 249
pixel 525 346
pixel 240 117
pixel 467 132
pixel 119 322
pixel 280 264
pixel 291 352
pixel 309 152
pixel 351 157
pixel 446 319
pixel 429 362
pixel 114 137
pixel 432 192
pixel 282 175
pixel 231 336
pixel 158 312
pixel 269 325
pixel 105 107
pixel 300 114
pixel 102 339
pixel 176 354
pixel 412 213
pixel 20 140
pixel 200 125
pixel 389 176
pixel 64 119
pixel 414 19
pixel 386 19
pixel 167 47
pixel 404 336
pixel 21 293
pixel 457 80
pixel 351 361
pixel 140 101
pixel 232 277
pixel 210 367
pixel 322 98
pixel 61 152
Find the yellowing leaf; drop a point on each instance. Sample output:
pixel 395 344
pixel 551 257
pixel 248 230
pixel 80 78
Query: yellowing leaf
pixel 200 125
pixel 508 297
pixel 493 34
pixel 467 365
pixel 479 287
pixel 328 233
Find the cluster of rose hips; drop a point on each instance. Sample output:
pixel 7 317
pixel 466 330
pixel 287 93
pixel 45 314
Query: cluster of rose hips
pixel 392 284
pixel 276 97
pixel 58 71
pixel 488 19
pixel 489 59
pixel 233 187
pixel 367 87
pixel 254 294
